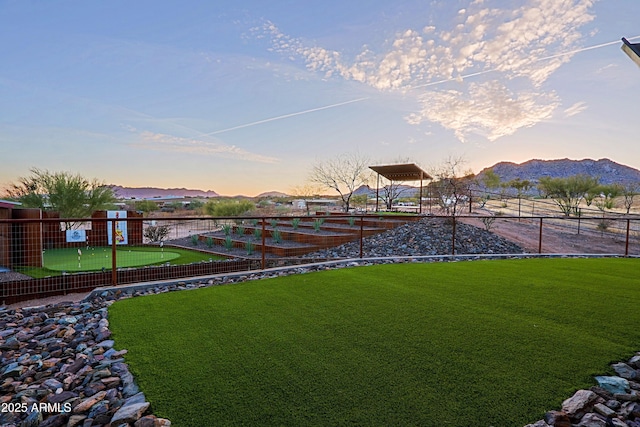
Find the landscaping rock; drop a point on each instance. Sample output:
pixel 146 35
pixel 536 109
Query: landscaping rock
pixel 579 403
pixel 429 236
pixel 62 354
pixel 592 420
pixel 613 384
pixel 625 371
pixel 557 419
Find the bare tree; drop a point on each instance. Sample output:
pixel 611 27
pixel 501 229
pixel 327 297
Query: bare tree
pixel 452 185
pixel 629 191
pixel 343 174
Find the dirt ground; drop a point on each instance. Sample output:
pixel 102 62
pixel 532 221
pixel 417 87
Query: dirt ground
pixel 526 233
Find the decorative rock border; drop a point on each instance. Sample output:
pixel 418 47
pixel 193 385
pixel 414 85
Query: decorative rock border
pixel 615 402
pixel 59 367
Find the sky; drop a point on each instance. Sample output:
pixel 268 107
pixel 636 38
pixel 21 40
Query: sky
pixel 245 97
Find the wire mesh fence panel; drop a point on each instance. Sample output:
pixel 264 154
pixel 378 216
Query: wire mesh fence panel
pixel 47 255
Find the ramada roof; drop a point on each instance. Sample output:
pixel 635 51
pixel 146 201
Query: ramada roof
pixel 403 172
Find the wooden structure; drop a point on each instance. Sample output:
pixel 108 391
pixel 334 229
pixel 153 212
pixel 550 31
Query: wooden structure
pixel 400 173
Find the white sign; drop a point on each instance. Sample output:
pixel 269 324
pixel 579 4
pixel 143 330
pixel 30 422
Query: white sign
pixel 121 227
pixel 75 236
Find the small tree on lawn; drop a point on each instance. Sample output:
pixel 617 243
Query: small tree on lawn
pixel 344 174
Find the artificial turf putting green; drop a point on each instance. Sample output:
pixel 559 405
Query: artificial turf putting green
pixel 446 344
pixel 57 261
pixel 67 259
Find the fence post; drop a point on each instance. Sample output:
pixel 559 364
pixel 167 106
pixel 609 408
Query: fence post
pixel 264 261
pixel 540 238
pixel 626 246
pixel 453 235
pixel 361 233
pixel 114 262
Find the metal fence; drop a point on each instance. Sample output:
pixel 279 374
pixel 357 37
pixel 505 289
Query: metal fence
pixel 47 256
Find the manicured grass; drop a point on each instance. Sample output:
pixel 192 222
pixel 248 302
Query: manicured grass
pixel 93 259
pixel 446 344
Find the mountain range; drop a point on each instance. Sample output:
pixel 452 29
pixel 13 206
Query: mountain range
pixel 607 170
pixel 151 192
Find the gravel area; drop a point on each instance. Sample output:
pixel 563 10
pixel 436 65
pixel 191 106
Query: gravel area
pixel 10 276
pixel 429 236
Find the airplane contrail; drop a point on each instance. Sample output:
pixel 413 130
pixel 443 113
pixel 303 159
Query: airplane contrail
pixel 286 116
pixel 584 49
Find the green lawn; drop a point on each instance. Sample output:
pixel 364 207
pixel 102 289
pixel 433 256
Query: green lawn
pixel 93 259
pixel 482 343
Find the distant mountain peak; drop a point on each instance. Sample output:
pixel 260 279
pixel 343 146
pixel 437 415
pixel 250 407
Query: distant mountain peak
pixel 607 170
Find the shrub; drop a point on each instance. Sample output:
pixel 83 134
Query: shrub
pixel 317 224
pixel 228 207
pixel 352 221
pixel 240 230
pixel 274 223
pixel 257 233
pixel 228 243
pixel 276 236
pixel 603 225
pixel 295 222
pixel 194 239
pixel 226 229
pixel 488 222
pixel 250 247
pixel 209 242
pixel 157 233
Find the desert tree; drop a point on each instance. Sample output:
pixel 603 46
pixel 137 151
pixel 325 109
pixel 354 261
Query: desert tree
pixel 71 195
pixel 522 187
pixel 603 197
pixel 344 174
pixel 488 181
pixel 146 206
pixel 452 185
pixel 568 192
pixel 629 191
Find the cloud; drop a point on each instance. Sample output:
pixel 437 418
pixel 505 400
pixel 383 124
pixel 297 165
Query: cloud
pixel 516 50
pixel 488 109
pixel 163 142
pixel 576 108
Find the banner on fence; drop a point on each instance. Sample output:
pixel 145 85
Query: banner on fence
pixel 75 236
pixel 121 228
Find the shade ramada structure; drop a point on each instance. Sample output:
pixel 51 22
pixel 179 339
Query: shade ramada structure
pixel 400 173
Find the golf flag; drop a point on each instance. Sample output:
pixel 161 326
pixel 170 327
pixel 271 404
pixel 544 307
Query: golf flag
pixel 121 228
